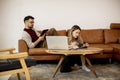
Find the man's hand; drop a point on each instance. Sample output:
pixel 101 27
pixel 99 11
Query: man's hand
pixel 41 38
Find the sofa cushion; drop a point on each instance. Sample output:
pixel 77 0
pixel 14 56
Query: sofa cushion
pixel 106 48
pixel 37 51
pixel 62 32
pixel 111 36
pixel 93 36
pixel 115 45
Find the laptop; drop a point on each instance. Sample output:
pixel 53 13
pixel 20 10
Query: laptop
pixel 57 42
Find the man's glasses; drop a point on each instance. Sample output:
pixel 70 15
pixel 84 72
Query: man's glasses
pixel 31 22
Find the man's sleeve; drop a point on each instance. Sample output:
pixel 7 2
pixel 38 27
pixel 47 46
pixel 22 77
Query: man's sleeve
pixel 28 40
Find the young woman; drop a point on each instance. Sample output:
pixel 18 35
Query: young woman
pixel 75 41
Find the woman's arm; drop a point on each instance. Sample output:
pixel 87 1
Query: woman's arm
pixel 85 45
pixel 74 45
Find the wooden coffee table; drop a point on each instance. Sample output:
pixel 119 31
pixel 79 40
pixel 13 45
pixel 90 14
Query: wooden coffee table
pixel 85 51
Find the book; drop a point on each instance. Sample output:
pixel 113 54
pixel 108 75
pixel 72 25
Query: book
pixel 43 32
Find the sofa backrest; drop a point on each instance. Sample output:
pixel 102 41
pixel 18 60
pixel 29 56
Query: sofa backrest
pixel 95 36
pixel 111 35
pixel 62 32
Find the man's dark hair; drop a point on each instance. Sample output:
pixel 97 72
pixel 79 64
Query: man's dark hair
pixel 28 17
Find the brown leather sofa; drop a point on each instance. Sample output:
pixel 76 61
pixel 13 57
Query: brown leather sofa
pixel 101 38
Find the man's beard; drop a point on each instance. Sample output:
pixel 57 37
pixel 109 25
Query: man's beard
pixel 30 27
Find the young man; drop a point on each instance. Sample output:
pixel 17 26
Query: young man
pixel 31 36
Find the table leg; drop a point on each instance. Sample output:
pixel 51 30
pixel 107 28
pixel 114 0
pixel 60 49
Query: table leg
pixel 91 67
pixel 58 66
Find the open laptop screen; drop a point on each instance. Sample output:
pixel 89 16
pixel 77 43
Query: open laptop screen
pixel 57 42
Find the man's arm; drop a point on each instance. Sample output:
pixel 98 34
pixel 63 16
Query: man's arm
pixel 41 38
pixel 28 40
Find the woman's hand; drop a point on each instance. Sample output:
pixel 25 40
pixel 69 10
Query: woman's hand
pixel 74 45
pixel 85 45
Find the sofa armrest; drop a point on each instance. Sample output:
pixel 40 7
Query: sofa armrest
pixel 22 46
pixel 115 26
